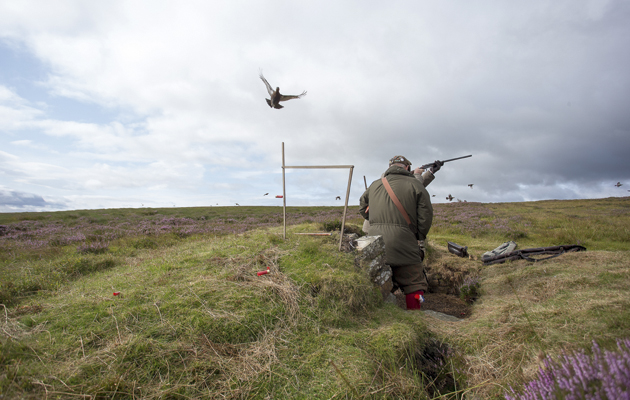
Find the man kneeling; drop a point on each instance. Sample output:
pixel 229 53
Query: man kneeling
pixel 399 208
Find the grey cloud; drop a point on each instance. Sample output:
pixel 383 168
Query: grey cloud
pixel 11 201
pixel 538 92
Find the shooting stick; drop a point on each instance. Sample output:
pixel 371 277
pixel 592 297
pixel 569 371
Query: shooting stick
pixel 284 193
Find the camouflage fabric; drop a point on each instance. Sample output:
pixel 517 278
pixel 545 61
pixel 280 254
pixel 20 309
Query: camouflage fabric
pixel 504 248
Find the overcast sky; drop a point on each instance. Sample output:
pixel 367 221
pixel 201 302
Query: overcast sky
pixel 159 103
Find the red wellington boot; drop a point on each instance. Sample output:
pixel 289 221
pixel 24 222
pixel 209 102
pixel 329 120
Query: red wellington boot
pixel 415 300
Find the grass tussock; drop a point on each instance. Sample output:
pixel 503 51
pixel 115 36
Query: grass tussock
pixel 527 312
pixel 192 318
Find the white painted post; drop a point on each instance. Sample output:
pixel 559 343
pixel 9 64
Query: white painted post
pixel 284 193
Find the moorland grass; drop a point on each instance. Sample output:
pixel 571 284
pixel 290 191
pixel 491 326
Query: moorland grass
pixel 528 311
pixel 193 320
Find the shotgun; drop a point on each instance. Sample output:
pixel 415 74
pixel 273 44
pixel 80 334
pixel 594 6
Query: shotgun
pixel 425 166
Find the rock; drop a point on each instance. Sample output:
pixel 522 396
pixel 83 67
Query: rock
pixel 371 259
pixel 349 242
pixel 391 298
pixel 370 246
pixel 352 236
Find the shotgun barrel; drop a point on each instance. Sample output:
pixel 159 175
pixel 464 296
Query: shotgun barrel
pixel 425 166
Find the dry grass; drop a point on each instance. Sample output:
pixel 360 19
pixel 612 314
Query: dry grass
pixel 528 311
pixel 195 321
pixel 238 364
pixel 246 363
pixel 448 267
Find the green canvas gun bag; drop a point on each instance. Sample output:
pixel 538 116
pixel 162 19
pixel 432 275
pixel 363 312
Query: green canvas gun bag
pixel 461 251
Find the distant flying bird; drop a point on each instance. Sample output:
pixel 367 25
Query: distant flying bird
pixel 265 194
pixel 237 204
pixel 275 95
pixel 619 184
pixel 433 195
pixel 338 198
pixel 450 198
pixel 470 185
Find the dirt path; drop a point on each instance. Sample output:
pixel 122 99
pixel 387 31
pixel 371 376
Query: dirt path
pixel 441 303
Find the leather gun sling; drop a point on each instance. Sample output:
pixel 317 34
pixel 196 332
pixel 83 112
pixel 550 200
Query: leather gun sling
pixel 399 205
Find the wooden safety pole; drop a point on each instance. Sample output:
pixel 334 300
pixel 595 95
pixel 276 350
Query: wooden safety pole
pixel 284 192
pixel 345 209
pixel 284 198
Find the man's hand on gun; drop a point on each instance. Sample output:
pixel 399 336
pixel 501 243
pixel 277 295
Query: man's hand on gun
pixel 436 166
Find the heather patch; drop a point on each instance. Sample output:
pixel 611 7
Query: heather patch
pixel 82 231
pixel 94 248
pixel 601 375
pixel 475 220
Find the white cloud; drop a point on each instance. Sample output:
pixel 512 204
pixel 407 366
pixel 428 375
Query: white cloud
pixel 536 91
pixel 14 111
pixel 22 142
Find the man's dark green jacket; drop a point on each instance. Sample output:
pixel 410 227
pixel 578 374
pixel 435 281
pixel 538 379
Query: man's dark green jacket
pixel 401 245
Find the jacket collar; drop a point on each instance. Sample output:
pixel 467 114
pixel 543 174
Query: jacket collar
pixel 396 170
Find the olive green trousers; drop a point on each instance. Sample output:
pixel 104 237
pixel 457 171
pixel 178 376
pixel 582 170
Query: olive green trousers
pixel 410 278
